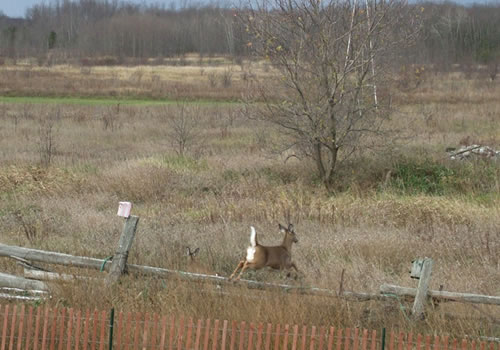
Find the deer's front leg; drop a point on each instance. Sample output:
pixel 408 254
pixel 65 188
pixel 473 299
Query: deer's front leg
pixel 296 270
pixel 289 267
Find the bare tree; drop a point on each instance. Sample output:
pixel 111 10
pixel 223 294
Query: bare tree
pixel 326 53
pixel 184 131
pixel 493 68
pixel 47 135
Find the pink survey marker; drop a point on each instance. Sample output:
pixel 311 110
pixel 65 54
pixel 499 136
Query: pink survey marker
pixel 124 209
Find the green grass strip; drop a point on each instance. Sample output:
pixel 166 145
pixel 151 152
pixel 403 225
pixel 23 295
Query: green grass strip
pixel 95 101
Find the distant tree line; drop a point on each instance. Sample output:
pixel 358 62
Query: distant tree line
pixel 458 34
pixel 95 28
pixel 121 29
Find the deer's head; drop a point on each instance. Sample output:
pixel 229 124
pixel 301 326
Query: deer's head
pixel 191 254
pixel 289 233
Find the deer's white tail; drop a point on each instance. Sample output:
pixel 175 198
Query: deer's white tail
pixel 253 244
pixel 253 237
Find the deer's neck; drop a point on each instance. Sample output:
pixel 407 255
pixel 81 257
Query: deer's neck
pixel 287 243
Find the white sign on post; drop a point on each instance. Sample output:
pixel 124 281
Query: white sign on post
pixel 124 209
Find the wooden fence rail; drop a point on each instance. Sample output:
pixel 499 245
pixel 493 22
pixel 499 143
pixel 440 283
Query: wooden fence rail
pixel 36 255
pixel 30 328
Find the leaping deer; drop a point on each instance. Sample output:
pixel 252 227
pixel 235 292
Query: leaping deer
pixel 276 257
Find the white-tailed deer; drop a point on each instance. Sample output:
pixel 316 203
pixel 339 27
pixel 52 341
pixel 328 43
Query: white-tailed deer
pixel 276 257
pixel 193 264
pixel 191 254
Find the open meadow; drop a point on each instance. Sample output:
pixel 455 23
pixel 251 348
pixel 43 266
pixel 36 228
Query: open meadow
pixel 74 141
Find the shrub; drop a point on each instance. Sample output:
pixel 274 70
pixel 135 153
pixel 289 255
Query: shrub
pixel 212 78
pixel 100 61
pixel 226 78
pixel 413 176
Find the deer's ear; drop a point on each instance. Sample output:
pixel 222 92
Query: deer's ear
pixel 290 227
pixel 188 251
pixel 282 228
pixel 196 251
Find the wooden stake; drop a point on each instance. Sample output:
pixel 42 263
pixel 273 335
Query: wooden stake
pixel 295 337
pixel 198 335
pixel 13 327
pixel 423 287
pixel 120 258
pixel 224 334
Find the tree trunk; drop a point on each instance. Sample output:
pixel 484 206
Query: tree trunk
pixel 331 147
pixel 319 159
pixel 326 169
pixel 331 166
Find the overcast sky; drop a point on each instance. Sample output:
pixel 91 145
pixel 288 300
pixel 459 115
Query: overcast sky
pixel 17 8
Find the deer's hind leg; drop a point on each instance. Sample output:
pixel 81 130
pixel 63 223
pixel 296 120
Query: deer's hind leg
pixel 240 265
pixel 246 265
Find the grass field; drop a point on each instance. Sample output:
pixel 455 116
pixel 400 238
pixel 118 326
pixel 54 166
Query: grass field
pixel 188 80
pixel 65 164
pixel 89 101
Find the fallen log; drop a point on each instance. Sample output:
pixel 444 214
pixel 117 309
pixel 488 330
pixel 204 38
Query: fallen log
pixel 19 297
pixel 11 281
pixel 21 294
pixel 26 264
pixel 436 294
pixel 51 257
pixel 52 276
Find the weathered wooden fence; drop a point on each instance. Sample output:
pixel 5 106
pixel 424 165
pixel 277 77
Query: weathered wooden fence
pixel 27 327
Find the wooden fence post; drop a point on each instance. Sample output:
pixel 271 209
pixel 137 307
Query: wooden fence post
pixel 121 255
pixel 423 287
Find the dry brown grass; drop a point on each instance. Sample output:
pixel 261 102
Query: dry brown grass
pixel 231 180
pixel 221 81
